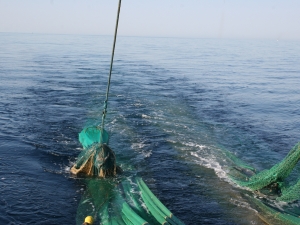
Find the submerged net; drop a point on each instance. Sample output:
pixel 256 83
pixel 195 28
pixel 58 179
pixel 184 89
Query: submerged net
pixel 241 165
pixel 273 216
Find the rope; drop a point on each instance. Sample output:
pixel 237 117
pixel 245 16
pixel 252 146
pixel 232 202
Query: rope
pixel 109 77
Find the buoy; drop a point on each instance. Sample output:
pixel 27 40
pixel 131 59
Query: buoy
pixel 88 220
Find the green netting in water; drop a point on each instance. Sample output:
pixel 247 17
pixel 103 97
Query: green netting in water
pixel 110 201
pixel 291 193
pixel 238 162
pixel 91 135
pixel 276 174
pixel 270 185
pixel 273 216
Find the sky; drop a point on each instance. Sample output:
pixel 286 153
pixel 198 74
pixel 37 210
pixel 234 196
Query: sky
pixel 272 19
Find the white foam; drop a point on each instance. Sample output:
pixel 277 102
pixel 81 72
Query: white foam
pixel 114 121
pixel 147 154
pixel 169 131
pixel 67 169
pixel 172 141
pixel 146 116
pixel 242 204
pixel 190 144
pixel 138 145
pixel 211 163
pixel 140 148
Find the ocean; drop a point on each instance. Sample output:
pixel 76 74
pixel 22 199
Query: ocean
pixel 175 105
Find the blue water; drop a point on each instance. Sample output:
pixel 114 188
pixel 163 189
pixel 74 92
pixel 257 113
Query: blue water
pixel 174 106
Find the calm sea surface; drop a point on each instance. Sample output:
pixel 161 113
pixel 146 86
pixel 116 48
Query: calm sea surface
pixel 174 106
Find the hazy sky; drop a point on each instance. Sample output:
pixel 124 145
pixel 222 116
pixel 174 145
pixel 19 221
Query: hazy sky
pixel 276 19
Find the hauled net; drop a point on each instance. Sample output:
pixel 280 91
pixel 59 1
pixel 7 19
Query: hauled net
pixel 96 158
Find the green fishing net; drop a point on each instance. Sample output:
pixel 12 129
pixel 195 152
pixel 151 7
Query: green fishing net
pixel 123 202
pixel 270 185
pixel 276 174
pixel 241 165
pixel 96 158
pixel 91 135
pixel 291 193
pixel 273 216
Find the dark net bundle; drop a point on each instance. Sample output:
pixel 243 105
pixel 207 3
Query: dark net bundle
pixel 96 158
